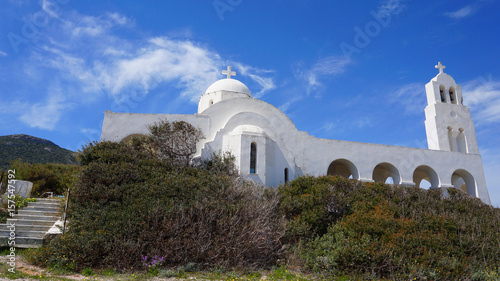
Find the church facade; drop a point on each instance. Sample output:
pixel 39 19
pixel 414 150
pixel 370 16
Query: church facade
pixel 270 150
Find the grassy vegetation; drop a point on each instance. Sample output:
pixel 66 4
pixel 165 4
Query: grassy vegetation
pixel 136 214
pixel 186 272
pixel 55 178
pixel 126 205
pixel 382 231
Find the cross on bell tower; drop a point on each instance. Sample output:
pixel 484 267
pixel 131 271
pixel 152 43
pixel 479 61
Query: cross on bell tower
pixel 440 67
pixel 228 72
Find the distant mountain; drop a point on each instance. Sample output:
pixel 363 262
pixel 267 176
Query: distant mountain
pixel 32 150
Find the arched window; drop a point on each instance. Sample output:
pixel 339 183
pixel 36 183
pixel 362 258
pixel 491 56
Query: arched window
pixel 453 98
pixel 286 175
pixel 253 158
pixel 441 93
pixel 210 102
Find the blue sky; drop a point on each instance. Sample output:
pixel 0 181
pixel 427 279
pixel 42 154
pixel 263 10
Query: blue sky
pixel 64 62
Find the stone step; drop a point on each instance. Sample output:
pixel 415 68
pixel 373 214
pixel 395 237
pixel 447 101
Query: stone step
pixel 31 222
pixel 49 209
pixel 44 204
pixel 37 213
pixel 49 200
pixel 27 246
pixel 35 217
pixel 22 233
pixel 21 227
pixel 23 242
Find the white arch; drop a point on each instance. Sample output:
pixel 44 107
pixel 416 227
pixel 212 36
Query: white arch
pixel 424 172
pixel 460 178
pixel 343 168
pixel 385 170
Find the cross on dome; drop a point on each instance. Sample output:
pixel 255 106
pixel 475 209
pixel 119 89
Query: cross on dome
pixel 228 72
pixel 440 67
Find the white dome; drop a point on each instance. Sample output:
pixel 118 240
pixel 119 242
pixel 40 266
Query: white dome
pixel 228 85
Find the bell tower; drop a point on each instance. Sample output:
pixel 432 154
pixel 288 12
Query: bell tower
pixel 448 123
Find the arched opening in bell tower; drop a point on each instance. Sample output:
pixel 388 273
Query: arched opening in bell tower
pixel 453 96
pixel 441 93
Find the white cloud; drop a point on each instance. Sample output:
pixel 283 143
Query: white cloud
pixel 90 132
pixel 363 122
pixel 328 66
pixel 468 10
pixel 266 83
pixel 191 67
pixel 284 107
pixel 109 64
pixel 462 13
pixel 482 96
pixel 45 115
pixel 80 25
pixel 328 126
pixel 411 96
pixel 120 19
pixel 3 54
pixel 292 98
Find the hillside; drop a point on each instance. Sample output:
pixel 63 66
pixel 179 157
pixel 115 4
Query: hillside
pixel 32 150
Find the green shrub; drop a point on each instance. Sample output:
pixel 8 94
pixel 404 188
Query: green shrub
pixel 21 202
pixel 87 272
pixel 127 204
pixel 409 233
pixel 49 177
pixel 311 204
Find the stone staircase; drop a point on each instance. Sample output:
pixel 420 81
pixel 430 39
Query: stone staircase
pixel 31 223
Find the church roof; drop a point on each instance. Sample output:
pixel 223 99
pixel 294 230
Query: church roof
pixel 228 85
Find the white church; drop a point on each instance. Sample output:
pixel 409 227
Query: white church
pixel 270 150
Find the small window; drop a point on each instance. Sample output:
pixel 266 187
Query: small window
pixel 286 175
pixel 210 102
pixel 452 96
pixel 441 93
pixel 253 158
